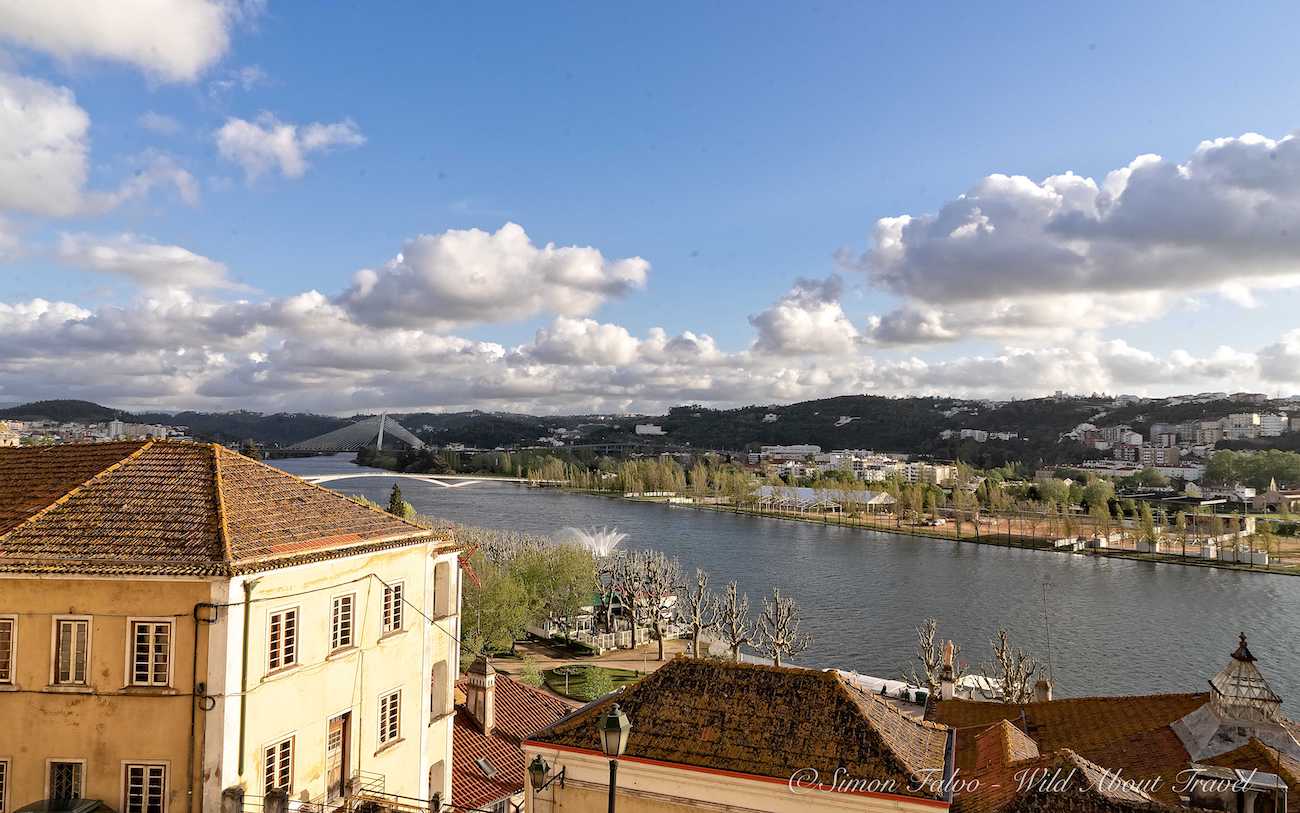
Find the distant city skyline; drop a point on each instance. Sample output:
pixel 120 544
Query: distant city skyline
pixel 572 209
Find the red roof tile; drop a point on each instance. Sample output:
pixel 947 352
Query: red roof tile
pixel 177 508
pixel 519 711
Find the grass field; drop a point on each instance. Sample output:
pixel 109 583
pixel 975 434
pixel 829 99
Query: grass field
pixel 586 682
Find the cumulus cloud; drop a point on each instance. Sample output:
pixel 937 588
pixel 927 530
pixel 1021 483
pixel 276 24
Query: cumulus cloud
pixel 467 276
pixel 268 144
pixel 170 40
pixel 1224 220
pixel 807 320
pixel 583 341
pixel 148 264
pixel 42 147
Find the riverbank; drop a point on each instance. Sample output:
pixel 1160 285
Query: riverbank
pixel 948 533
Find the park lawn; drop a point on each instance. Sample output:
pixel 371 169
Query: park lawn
pixel 578 685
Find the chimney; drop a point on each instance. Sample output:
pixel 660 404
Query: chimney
pixel 1042 690
pixel 947 682
pixel 480 693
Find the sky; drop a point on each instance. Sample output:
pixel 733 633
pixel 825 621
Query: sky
pixel 235 204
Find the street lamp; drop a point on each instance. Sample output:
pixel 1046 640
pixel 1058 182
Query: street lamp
pixel 537 771
pixel 614 728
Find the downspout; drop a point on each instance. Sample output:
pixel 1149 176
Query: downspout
pixel 197 691
pixel 949 765
pixel 243 671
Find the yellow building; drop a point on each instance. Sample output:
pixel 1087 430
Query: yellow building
pixel 725 736
pixel 182 627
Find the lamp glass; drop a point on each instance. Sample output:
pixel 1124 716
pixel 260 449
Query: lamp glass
pixel 614 729
pixel 537 770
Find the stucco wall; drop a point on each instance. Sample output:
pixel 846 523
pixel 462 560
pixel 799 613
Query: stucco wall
pixel 298 702
pixel 649 787
pixel 105 724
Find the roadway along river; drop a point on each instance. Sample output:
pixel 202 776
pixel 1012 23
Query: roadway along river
pixel 1117 626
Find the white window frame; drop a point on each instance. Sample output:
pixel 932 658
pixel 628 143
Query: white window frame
pixel 49 775
pixel 385 738
pixel 336 643
pixel 131 652
pixel 5 774
pixel 393 615
pixel 55 623
pixel 128 764
pixel 291 739
pixel 297 639
pixel 10 679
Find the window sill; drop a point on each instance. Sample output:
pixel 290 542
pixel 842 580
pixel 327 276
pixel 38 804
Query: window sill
pixel 392 634
pixel 437 718
pixel 390 745
pixel 10 687
pixel 158 691
pixel 342 652
pixel 69 689
pixel 279 673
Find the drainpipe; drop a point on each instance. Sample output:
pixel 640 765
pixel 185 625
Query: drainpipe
pixel 243 671
pixel 197 695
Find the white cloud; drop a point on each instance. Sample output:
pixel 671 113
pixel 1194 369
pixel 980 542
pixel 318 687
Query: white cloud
pixel 42 147
pixel 470 275
pixel 159 123
pixel 806 320
pixel 583 341
pixel 44 156
pixel 148 264
pixel 171 40
pixel 268 143
pixel 245 78
pixel 1225 220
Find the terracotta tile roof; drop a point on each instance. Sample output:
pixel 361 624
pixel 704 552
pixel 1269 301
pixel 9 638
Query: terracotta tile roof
pixel 1255 755
pixel 519 710
pixel 764 721
pixel 160 507
pixel 1096 727
pixel 1128 736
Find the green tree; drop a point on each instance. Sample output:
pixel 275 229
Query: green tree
pixel 495 611
pixel 396 505
pixel 529 672
pixel 599 682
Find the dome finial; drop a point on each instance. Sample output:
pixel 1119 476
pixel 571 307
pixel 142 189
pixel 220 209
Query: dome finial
pixel 1243 652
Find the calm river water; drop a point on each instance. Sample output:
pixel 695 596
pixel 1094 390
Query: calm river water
pixel 1117 626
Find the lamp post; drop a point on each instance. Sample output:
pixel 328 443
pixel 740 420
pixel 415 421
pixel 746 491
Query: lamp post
pixel 614 728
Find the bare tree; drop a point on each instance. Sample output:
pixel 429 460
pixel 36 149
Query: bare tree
pixel 733 620
pixel 1011 672
pixel 660 580
pixel 626 575
pixel 929 652
pixel 702 609
pixel 778 629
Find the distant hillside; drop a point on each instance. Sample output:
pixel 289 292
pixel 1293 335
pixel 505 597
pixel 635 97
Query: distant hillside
pixel 280 429
pixel 61 410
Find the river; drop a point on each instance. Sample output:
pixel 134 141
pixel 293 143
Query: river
pixel 1117 626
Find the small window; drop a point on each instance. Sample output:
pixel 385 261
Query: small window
pixel 151 653
pixel 444 592
pixel 278 763
pixel 8 640
pixel 145 789
pixel 71 651
pixel 390 717
pixel 341 614
pixel 283 640
pixel 65 781
pixel 438 690
pixel 393 607
pixel 4 785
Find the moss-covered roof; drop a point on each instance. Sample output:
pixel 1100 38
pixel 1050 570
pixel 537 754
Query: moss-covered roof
pixel 766 721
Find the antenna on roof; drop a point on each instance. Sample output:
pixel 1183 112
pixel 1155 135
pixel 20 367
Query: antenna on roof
pixel 1047 624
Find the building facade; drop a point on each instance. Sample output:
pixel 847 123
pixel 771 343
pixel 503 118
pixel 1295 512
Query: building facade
pixel 180 625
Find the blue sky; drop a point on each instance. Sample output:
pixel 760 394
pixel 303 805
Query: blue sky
pixel 735 148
